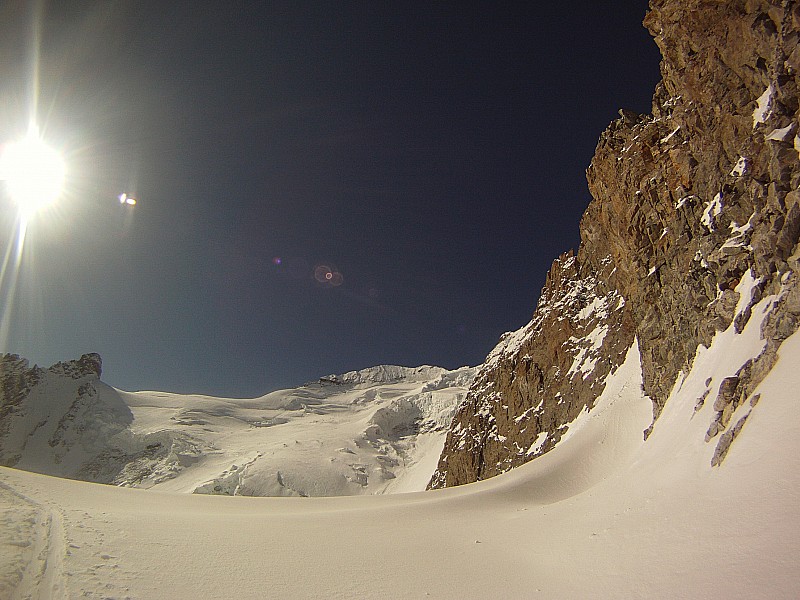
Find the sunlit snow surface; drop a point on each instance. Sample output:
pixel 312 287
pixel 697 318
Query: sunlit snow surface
pixel 603 515
pixel 373 431
pixel 365 432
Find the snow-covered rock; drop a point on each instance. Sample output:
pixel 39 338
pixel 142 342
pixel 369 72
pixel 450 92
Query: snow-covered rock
pixel 695 219
pixel 363 432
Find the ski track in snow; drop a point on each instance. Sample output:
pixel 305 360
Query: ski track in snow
pixel 34 557
pixel 45 576
pixel 603 515
pixel 42 577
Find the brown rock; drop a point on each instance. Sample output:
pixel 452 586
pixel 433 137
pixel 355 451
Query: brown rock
pixel 686 201
pixel 725 441
pixel 727 393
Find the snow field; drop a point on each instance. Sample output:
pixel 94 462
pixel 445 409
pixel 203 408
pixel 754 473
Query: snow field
pixel 371 434
pixel 605 514
pixel 358 433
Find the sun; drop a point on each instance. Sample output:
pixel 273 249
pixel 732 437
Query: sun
pixel 33 172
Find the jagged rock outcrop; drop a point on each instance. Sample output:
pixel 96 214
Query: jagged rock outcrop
pixel 16 380
pixel 88 365
pixel 57 419
pixel 542 376
pixel 689 202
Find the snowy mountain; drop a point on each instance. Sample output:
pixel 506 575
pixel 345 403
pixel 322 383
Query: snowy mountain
pixel 691 234
pixel 365 432
pixel 605 514
pixel 636 439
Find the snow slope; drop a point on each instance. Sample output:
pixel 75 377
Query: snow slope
pixel 605 514
pixel 365 432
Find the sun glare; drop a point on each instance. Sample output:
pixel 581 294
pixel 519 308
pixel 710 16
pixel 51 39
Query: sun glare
pixel 33 172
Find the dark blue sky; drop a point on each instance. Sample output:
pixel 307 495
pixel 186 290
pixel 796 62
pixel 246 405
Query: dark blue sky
pixel 432 153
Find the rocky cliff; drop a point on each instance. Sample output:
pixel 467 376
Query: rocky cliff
pixel 695 217
pixel 58 419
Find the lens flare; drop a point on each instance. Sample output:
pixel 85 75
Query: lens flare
pixel 321 273
pixel 125 199
pixel 33 172
pixel 9 277
pixel 328 276
pixel 32 175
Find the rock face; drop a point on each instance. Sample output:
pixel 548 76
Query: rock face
pixel 689 202
pixel 88 365
pixel 16 381
pixel 58 419
pixel 540 377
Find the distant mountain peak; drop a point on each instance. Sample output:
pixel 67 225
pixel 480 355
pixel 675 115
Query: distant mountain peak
pixel 390 373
